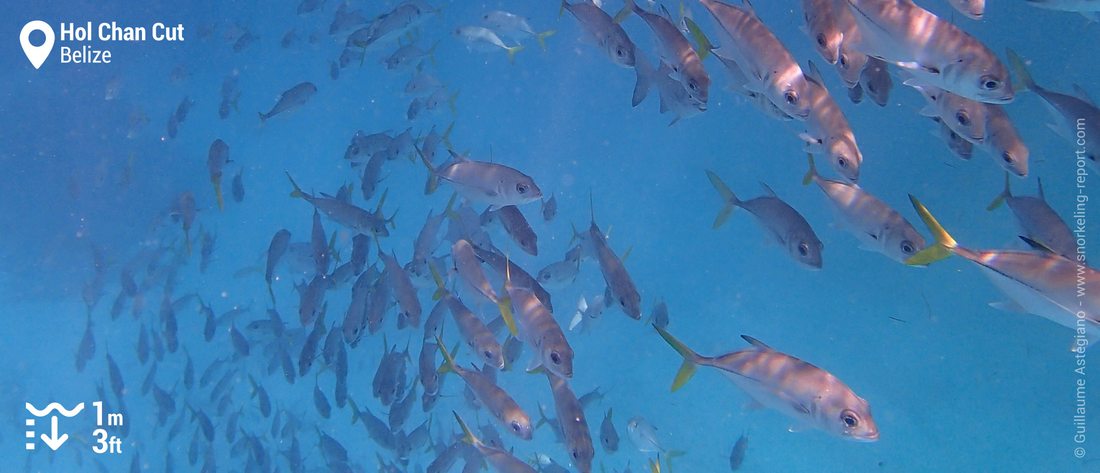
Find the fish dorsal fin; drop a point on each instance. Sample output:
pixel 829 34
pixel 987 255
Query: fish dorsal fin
pixel 768 190
pixel 1037 245
pixel 756 343
pixel 668 15
pixel 1083 95
pixel 813 74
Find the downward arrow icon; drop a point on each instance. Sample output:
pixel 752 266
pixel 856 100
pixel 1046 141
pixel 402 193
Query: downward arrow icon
pixel 53 441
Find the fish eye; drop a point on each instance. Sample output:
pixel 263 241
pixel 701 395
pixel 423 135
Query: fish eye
pixel 803 249
pixel 619 52
pixel 693 86
pixel 962 117
pixel 791 97
pixel 842 162
pixel 821 39
pixel 1007 157
pixel 990 83
pixel 515 426
pixel 521 188
pixel 843 60
pixel 907 247
pixel 871 87
pixel 850 418
pixel 555 357
pixel 488 354
pixel 576 454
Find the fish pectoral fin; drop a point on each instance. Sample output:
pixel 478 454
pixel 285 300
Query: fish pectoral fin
pixel 1008 306
pixel 796 428
pixel 914 66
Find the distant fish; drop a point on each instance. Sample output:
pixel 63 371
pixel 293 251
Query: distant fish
pixel 958 145
pixel 828 132
pixel 291 99
pixel 737 453
pixel 787 226
pixel 876 80
pixel 609 438
pixel 514 26
pixel 216 160
pixel 808 395
pixel 1037 220
pixel 604 30
pixel 1088 8
pixel 516 226
pixel 238 186
pixel 483 38
pixel 574 426
pixel 549 208
pixel 1071 112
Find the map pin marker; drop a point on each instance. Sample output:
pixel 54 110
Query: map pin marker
pixel 36 54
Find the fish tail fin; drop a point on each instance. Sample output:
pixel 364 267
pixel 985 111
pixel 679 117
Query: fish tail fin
pixel 811 173
pixel 703 45
pixel 729 199
pixel 541 38
pixel 297 192
pixel 628 7
pixel 217 181
pixel 440 286
pixel 645 75
pixel 1023 77
pixel 944 242
pixel 512 52
pixel 1000 199
pixel 433 177
pixel 447 133
pixel 467 434
pixel 687 369
pixel 561 9
pixel 504 301
pixel 263 119
pixel 448 360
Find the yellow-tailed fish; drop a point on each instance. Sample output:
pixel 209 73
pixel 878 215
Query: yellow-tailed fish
pixel 501 461
pixel 1039 282
pixel 498 402
pixel 807 394
pixel 877 226
pixel 786 225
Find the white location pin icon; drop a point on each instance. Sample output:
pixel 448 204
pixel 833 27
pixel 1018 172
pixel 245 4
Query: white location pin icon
pixel 36 54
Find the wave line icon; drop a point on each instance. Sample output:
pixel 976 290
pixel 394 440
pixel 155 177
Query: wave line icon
pixel 54 406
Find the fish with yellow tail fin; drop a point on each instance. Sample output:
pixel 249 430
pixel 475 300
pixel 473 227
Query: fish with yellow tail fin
pixel 1039 282
pixel 536 327
pixel 498 402
pixel 877 226
pixel 789 228
pixel 500 460
pixel 216 160
pixel 807 394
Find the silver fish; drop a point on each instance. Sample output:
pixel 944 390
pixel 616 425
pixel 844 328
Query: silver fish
pixel 878 226
pixel 216 159
pixel 481 37
pixel 291 99
pixel 787 226
pixel 1038 282
pixel 1073 114
pixel 514 26
pixel 501 460
pixel 768 64
pixel 1037 220
pixel 827 129
pixel 609 437
pixel 498 402
pixel 934 50
pixel 801 391
pixel 515 224
pixel 483 182
pixel 679 55
pixel 572 422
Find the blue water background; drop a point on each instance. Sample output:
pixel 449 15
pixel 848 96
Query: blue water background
pixel 955 386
